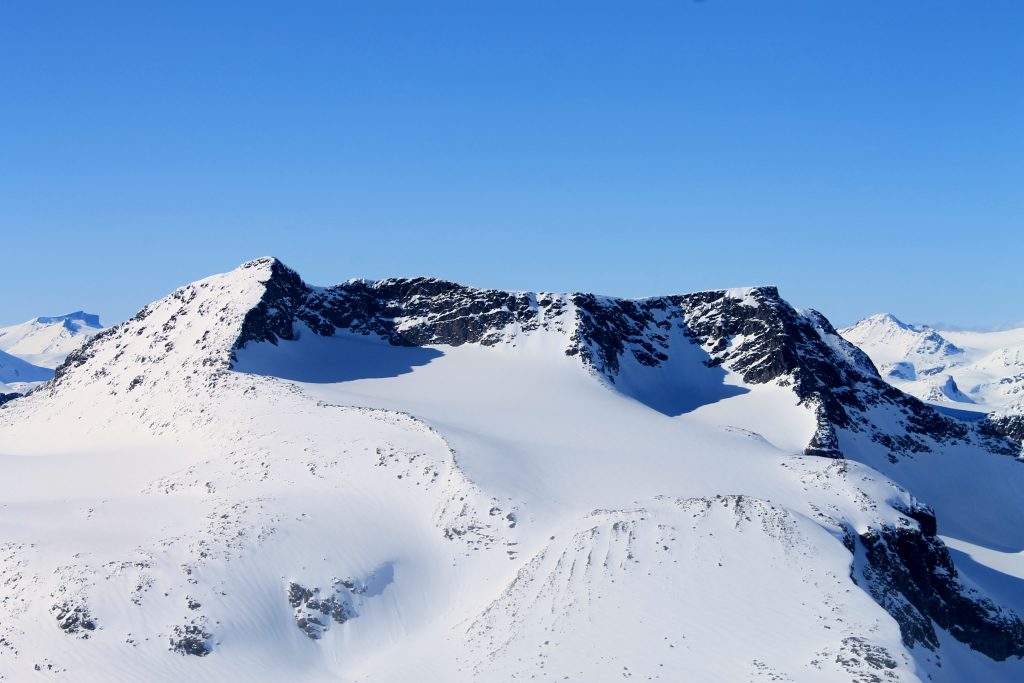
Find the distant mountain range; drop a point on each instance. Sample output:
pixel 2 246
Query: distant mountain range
pixel 975 371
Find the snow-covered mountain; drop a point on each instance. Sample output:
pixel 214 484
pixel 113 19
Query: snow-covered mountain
pixel 890 342
pixel 46 341
pixel 410 479
pixel 976 371
pixel 30 351
pixel 16 373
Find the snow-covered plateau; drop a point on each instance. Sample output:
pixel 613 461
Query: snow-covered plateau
pixel 413 480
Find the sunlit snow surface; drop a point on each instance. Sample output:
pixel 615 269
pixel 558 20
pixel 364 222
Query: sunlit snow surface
pixel 46 341
pixel 500 513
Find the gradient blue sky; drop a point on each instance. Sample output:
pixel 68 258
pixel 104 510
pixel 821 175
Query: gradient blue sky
pixel 865 155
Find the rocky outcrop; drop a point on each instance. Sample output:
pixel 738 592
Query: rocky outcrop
pixel 74 619
pixel 1006 425
pixel 411 312
pixel 191 639
pixel 910 573
pixel 315 612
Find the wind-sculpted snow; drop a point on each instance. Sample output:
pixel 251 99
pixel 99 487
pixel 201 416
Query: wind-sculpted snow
pixel 257 479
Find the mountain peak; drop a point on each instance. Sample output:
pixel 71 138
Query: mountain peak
pixel 262 261
pixel 887 339
pixel 882 319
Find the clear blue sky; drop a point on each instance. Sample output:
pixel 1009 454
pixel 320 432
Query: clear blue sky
pixel 865 155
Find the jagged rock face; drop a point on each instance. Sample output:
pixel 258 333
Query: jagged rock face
pixel 752 332
pixel 759 336
pixel 1008 422
pixel 274 316
pixel 412 312
pixel 911 574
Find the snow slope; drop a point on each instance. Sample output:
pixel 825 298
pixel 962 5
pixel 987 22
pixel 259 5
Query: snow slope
pixel 46 341
pixel 254 479
pixel 16 372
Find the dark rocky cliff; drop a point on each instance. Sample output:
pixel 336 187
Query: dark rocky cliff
pixel 753 333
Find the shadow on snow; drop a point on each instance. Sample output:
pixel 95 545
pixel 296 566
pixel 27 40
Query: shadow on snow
pixel 344 357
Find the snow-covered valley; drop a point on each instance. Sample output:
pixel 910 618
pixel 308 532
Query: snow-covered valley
pixel 256 479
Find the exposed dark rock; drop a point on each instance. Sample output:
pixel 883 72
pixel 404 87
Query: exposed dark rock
pixel 910 573
pixel 332 607
pixel 5 398
pixel 273 317
pixel 191 639
pixel 73 619
pixel 313 613
pixel 867 661
pixel 1011 426
pixel 298 595
pixel 311 625
pixel 449 313
pixel 824 442
pixel 922 514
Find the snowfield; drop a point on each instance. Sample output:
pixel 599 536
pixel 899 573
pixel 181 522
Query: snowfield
pixel 255 479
